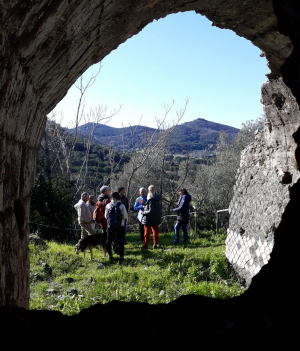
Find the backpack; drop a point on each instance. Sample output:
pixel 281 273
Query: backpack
pixel 99 212
pixel 114 216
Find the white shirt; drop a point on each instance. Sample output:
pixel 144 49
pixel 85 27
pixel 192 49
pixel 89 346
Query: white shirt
pixel 122 209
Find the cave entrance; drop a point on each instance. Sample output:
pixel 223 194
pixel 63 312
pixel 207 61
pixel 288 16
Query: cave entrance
pixel 219 87
pixel 44 52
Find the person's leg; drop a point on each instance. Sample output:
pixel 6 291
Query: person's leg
pixel 147 235
pixel 86 229
pixel 120 235
pixel 116 244
pixel 185 234
pixel 83 232
pixel 155 235
pixel 177 228
pixel 142 232
pixel 90 229
pixel 104 231
pixel 110 235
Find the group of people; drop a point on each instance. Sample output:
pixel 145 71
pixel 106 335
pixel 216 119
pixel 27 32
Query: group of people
pixel 111 213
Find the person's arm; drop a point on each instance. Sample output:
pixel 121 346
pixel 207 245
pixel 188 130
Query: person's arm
pixel 151 208
pixel 137 205
pixel 123 212
pixel 142 201
pixel 181 205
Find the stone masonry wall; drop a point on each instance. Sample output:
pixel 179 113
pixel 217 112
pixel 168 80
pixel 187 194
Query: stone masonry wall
pixel 267 171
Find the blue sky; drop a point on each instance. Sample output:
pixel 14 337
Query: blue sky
pixel 176 57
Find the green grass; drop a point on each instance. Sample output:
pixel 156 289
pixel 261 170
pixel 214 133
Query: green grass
pixel 154 276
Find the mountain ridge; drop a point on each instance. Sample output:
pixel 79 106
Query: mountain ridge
pixel 195 135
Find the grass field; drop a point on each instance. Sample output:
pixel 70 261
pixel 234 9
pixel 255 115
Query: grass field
pixel 154 276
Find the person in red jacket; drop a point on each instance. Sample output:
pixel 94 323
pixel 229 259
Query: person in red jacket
pixel 104 198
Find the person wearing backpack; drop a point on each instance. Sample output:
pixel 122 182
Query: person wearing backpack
pixel 116 215
pixel 99 212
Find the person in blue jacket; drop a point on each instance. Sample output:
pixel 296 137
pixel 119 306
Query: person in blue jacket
pixel 139 203
pixel 183 214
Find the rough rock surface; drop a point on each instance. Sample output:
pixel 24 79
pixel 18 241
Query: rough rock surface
pixel 46 45
pixel 267 171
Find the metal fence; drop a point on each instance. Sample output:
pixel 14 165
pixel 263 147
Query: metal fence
pixel 218 219
pixel 221 221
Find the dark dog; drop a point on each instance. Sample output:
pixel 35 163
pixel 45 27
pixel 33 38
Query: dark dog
pixel 90 241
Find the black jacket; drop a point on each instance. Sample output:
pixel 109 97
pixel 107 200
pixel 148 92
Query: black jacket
pixel 183 209
pixel 152 211
pixel 125 202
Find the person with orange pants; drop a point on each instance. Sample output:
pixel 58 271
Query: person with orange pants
pixel 151 217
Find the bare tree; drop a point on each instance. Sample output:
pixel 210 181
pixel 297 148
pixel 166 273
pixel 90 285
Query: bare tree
pixel 60 142
pixel 91 122
pixel 211 183
pixel 151 145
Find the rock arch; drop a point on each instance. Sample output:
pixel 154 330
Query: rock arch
pixel 45 46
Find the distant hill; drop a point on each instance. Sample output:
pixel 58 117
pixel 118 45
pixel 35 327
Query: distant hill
pixel 199 134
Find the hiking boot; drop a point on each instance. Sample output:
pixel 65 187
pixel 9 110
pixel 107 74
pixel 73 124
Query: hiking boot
pixel 111 258
pixel 155 246
pixel 144 247
pixel 122 258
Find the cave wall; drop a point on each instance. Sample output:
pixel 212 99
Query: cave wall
pixel 46 45
pixel 268 170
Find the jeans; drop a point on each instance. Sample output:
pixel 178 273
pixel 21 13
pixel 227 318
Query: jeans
pixel 148 232
pixel 142 231
pixel 119 233
pixel 115 240
pixel 178 225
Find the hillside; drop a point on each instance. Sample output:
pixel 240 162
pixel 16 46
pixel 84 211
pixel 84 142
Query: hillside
pixel 199 134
